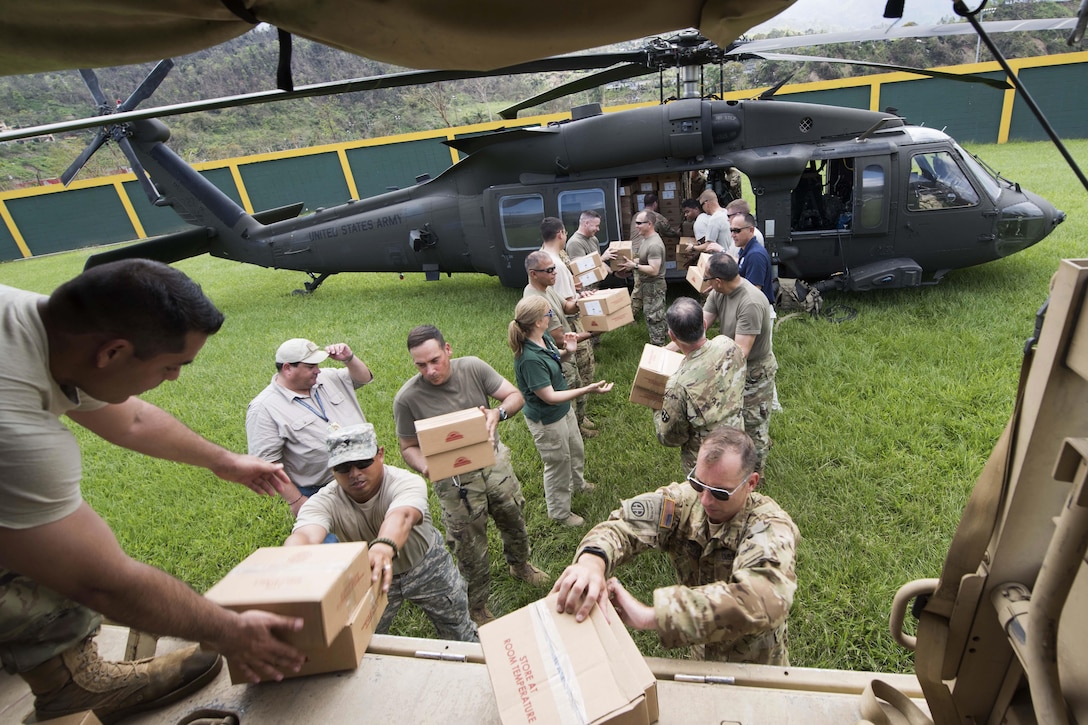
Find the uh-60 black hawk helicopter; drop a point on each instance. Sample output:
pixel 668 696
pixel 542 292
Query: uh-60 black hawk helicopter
pixel 852 198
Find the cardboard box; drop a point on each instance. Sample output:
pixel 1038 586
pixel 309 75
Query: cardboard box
pixel 76 718
pixel 452 430
pixel 697 274
pixel 610 321
pixel 622 250
pixel 593 276
pixel 323 584
pixel 654 370
pixel 546 667
pixel 645 397
pixel 604 302
pixel 347 650
pixel 585 264
pixel 460 460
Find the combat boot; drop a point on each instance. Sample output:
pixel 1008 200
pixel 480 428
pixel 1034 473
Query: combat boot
pixel 530 574
pixel 79 679
pixel 481 615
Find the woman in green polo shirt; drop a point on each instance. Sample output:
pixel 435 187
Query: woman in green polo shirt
pixel 548 411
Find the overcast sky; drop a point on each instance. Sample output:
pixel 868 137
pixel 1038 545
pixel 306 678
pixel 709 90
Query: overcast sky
pixel 832 15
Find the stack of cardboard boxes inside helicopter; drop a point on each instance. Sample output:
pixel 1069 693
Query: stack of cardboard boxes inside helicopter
pixel 671 190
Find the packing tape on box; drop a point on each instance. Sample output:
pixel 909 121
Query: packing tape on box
pixel 566 692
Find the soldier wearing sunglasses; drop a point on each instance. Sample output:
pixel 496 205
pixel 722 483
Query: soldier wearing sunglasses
pixel 733 550
pixel 387 507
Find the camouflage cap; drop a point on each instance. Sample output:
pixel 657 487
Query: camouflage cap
pixel 352 443
pixel 300 350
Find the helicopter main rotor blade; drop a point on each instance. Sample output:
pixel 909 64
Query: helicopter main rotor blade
pixel 909 31
pixel 369 83
pixel 585 83
pixel 964 77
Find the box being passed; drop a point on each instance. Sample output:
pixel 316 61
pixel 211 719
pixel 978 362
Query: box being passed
pixel 323 584
pixel 604 302
pixel 545 667
pixel 654 369
pixel 622 250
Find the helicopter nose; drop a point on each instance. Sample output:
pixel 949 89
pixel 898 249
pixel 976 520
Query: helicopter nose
pixel 1025 222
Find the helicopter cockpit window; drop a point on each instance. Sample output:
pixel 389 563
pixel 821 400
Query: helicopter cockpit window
pixel 573 203
pixel 520 216
pixel 937 182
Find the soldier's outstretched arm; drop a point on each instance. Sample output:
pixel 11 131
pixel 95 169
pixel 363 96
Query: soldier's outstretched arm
pixel 79 557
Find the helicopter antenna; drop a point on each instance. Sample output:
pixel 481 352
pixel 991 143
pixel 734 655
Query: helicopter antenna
pixel 972 17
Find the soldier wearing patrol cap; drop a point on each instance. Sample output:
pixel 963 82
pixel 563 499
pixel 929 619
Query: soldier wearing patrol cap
pixel 387 507
pixel 706 391
pixel 734 552
pixel 289 420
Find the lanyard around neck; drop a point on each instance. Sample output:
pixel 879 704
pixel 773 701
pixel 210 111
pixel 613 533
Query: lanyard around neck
pixel 317 397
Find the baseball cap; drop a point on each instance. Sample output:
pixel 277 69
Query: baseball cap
pixel 300 350
pixel 352 443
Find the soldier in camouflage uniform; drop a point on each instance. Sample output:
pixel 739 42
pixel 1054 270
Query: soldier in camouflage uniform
pixel 733 550
pixel 387 507
pixel 444 385
pixel 707 391
pixel 746 316
pixel 660 225
pixel 649 269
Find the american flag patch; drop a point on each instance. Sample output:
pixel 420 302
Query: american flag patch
pixel 668 510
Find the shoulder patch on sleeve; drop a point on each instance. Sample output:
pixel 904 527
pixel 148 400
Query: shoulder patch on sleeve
pixel 651 508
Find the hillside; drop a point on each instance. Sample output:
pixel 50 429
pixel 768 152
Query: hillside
pixel 248 64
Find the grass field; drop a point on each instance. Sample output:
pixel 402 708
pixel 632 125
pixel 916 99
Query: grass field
pixel 888 419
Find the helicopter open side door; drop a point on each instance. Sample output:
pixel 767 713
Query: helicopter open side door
pixel 512 214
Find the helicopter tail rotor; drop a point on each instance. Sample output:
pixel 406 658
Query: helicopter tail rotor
pixel 119 133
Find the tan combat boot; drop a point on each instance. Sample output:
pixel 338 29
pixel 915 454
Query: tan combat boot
pixel 481 615
pixel 79 679
pixel 530 574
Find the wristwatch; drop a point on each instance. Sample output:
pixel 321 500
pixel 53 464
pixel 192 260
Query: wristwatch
pixel 502 413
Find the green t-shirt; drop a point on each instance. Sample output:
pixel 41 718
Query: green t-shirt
pixel 538 367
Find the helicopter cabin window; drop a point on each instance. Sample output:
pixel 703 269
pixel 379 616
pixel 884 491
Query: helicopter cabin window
pixel 520 216
pixel 872 196
pixel 823 197
pixel 937 182
pixel 573 203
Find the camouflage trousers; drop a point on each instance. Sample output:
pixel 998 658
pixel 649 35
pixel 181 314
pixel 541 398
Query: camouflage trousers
pixel 636 297
pixel 435 586
pixel 586 364
pixel 758 399
pixel 467 502
pixel 37 623
pixel 653 306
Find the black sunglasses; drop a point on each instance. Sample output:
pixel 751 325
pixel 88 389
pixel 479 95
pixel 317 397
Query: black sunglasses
pixel 719 493
pixel 348 465
pixel 546 270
